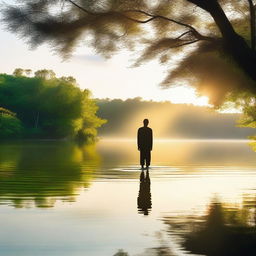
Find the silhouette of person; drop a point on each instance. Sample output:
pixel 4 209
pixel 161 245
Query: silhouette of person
pixel 144 198
pixel 145 143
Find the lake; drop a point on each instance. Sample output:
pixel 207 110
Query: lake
pixel 60 198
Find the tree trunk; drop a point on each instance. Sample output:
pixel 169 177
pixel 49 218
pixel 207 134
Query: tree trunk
pixel 252 23
pixel 233 44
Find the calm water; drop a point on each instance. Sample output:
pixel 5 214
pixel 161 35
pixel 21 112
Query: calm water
pixel 58 198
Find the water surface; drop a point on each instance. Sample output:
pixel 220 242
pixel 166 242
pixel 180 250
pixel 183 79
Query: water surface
pixel 59 198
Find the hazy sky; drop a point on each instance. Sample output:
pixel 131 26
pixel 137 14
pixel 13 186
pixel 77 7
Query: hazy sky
pixel 105 78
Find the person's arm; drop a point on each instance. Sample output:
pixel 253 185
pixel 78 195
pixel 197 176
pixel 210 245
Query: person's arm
pixel 151 139
pixel 138 139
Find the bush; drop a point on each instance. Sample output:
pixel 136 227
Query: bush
pixel 10 127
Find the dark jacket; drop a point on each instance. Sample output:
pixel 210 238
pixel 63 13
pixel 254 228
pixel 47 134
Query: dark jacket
pixel 145 138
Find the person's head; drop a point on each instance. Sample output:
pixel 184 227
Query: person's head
pixel 145 122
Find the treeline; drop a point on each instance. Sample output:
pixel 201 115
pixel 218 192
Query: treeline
pixel 168 120
pixel 44 106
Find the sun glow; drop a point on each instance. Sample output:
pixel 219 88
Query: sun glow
pixel 183 95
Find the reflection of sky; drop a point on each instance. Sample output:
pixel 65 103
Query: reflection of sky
pixel 105 217
pixel 95 225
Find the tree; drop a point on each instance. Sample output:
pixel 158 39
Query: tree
pixel 22 72
pixel 18 72
pixel 10 125
pixel 216 37
pixel 90 121
pixel 45 74
pixel 49 107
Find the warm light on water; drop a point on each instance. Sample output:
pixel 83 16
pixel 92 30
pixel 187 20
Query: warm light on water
pixel 59 198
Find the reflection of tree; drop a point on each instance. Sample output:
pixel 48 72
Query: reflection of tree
pixel 44 172
pixel 144 198
pixel 226 230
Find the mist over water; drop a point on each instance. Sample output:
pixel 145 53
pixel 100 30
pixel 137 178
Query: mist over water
pixel 74 199
pixel 175 121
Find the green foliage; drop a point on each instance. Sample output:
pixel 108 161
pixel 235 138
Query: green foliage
pixel 49 107
pixel 246 102
pixel 89 122
pixel 6 111
pixel 10 126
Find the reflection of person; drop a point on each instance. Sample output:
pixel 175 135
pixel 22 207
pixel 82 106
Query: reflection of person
pixel 145 142
pixel 144 198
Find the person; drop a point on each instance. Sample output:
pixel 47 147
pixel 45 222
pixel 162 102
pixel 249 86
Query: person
pixel 145 143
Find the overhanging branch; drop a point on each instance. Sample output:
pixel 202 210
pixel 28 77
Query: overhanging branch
pixel 151 17
pixel 183 34
pixel 185 43
pixel 81 8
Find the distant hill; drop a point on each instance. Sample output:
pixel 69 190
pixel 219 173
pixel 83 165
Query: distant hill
pixel 168 120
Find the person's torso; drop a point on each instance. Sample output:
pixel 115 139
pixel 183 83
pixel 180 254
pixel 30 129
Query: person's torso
pixel 145 137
